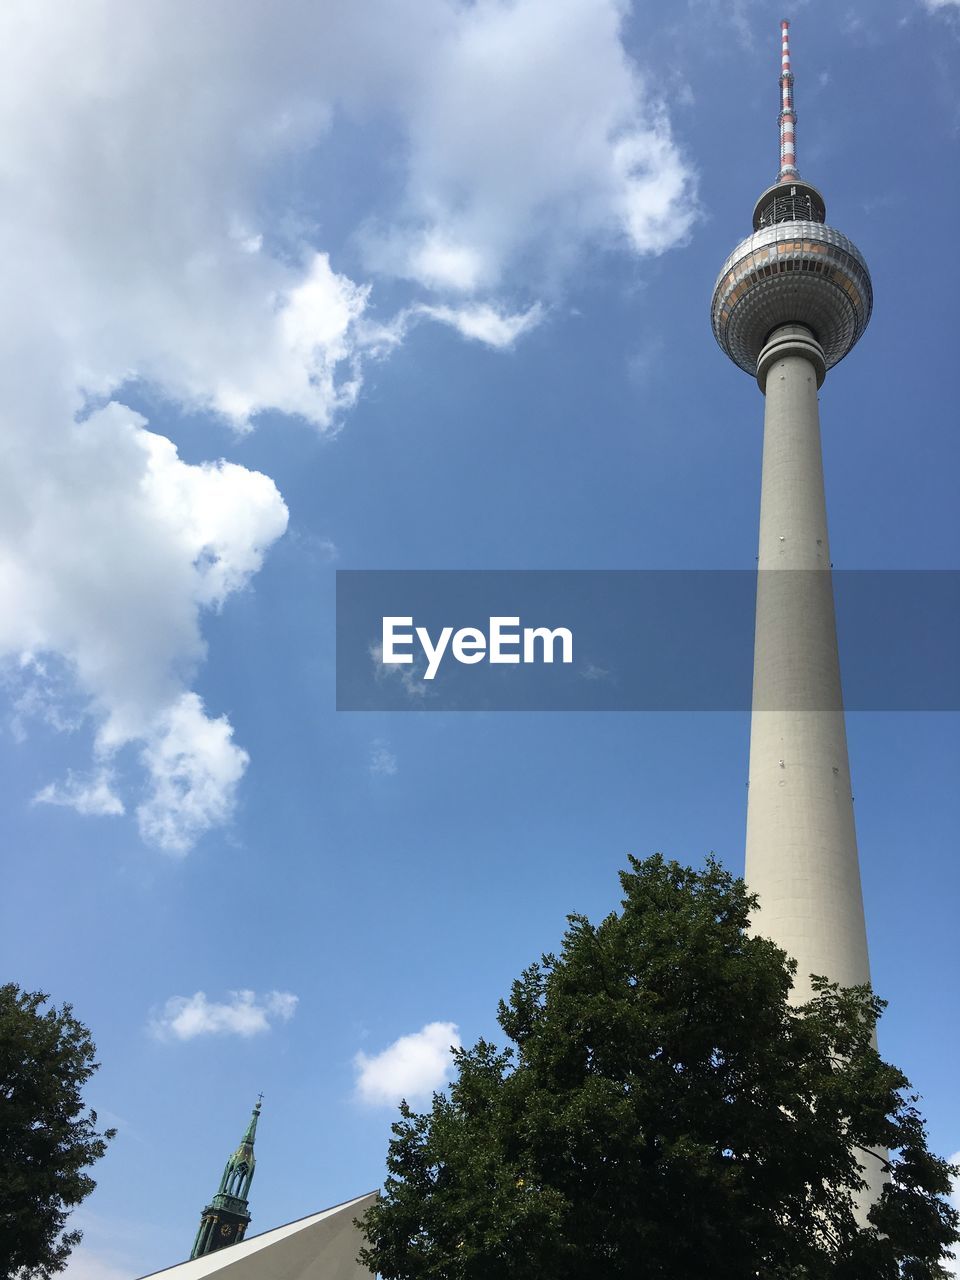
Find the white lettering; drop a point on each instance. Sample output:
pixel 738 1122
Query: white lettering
pixel 388 652
pixel 434 652
pixel 505 644
pixel 469 645
pixel 498 638
pixel 532 634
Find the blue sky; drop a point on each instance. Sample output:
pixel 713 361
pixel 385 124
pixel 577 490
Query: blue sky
pixel 413 285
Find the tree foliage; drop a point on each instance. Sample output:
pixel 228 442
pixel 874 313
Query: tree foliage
pixel 664 1112
pixel 47 1137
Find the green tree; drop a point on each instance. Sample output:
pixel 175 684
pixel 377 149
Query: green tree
pixel 47 1137
pixel 664 1112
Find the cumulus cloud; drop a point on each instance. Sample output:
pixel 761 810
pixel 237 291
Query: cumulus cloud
pixel 412 1067
pixel 941 4
pixel 305 362
pixel 531 133
pixel 242 1014
pixel 111 547
pixel 194 767
pixel 144 241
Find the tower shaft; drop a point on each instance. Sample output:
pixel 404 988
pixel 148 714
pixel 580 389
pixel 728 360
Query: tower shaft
pixel 801 857
pixel 801 840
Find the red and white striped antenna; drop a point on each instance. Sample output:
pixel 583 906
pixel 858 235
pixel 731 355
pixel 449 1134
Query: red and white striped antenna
pixel 788 117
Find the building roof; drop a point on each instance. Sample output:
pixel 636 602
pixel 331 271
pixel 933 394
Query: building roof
pixel 323 1246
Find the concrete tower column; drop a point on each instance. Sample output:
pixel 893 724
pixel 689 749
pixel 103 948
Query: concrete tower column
pixel 801 841
pixel 801 838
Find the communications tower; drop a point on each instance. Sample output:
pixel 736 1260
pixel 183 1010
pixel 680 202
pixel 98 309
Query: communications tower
pixel 790 302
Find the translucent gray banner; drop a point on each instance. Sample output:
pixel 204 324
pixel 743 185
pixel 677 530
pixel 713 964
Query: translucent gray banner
pixel 644 640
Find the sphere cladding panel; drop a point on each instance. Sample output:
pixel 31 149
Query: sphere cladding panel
pixel 792 273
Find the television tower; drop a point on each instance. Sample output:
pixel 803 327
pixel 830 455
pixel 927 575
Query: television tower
pixel 790 302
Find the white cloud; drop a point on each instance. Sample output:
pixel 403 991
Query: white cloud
pixel 306 361
pixel 142 240
pixel 383 762
pixel 194 767
pixel 439 264
pixel 412 1067
pixel 650 194
pixel 243 1014
pixel 932 5
pixel 484 322
pixel 530 134
pixel 142 135
pixel 88 795
pixel 111 546
pixel 109 565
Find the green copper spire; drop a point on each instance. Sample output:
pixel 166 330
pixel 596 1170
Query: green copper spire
pixel 226 1218
pixel 251 1133
pixel 238 1173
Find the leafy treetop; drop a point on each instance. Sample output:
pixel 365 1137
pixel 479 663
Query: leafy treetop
pixel 47 1137
pixel 664 1111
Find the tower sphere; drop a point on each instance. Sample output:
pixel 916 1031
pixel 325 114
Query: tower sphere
pixel 792 272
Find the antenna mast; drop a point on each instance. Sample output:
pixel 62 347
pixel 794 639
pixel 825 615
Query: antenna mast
pixel 788 117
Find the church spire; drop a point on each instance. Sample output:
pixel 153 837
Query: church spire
pixel 251 1132
pixel 226 1218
